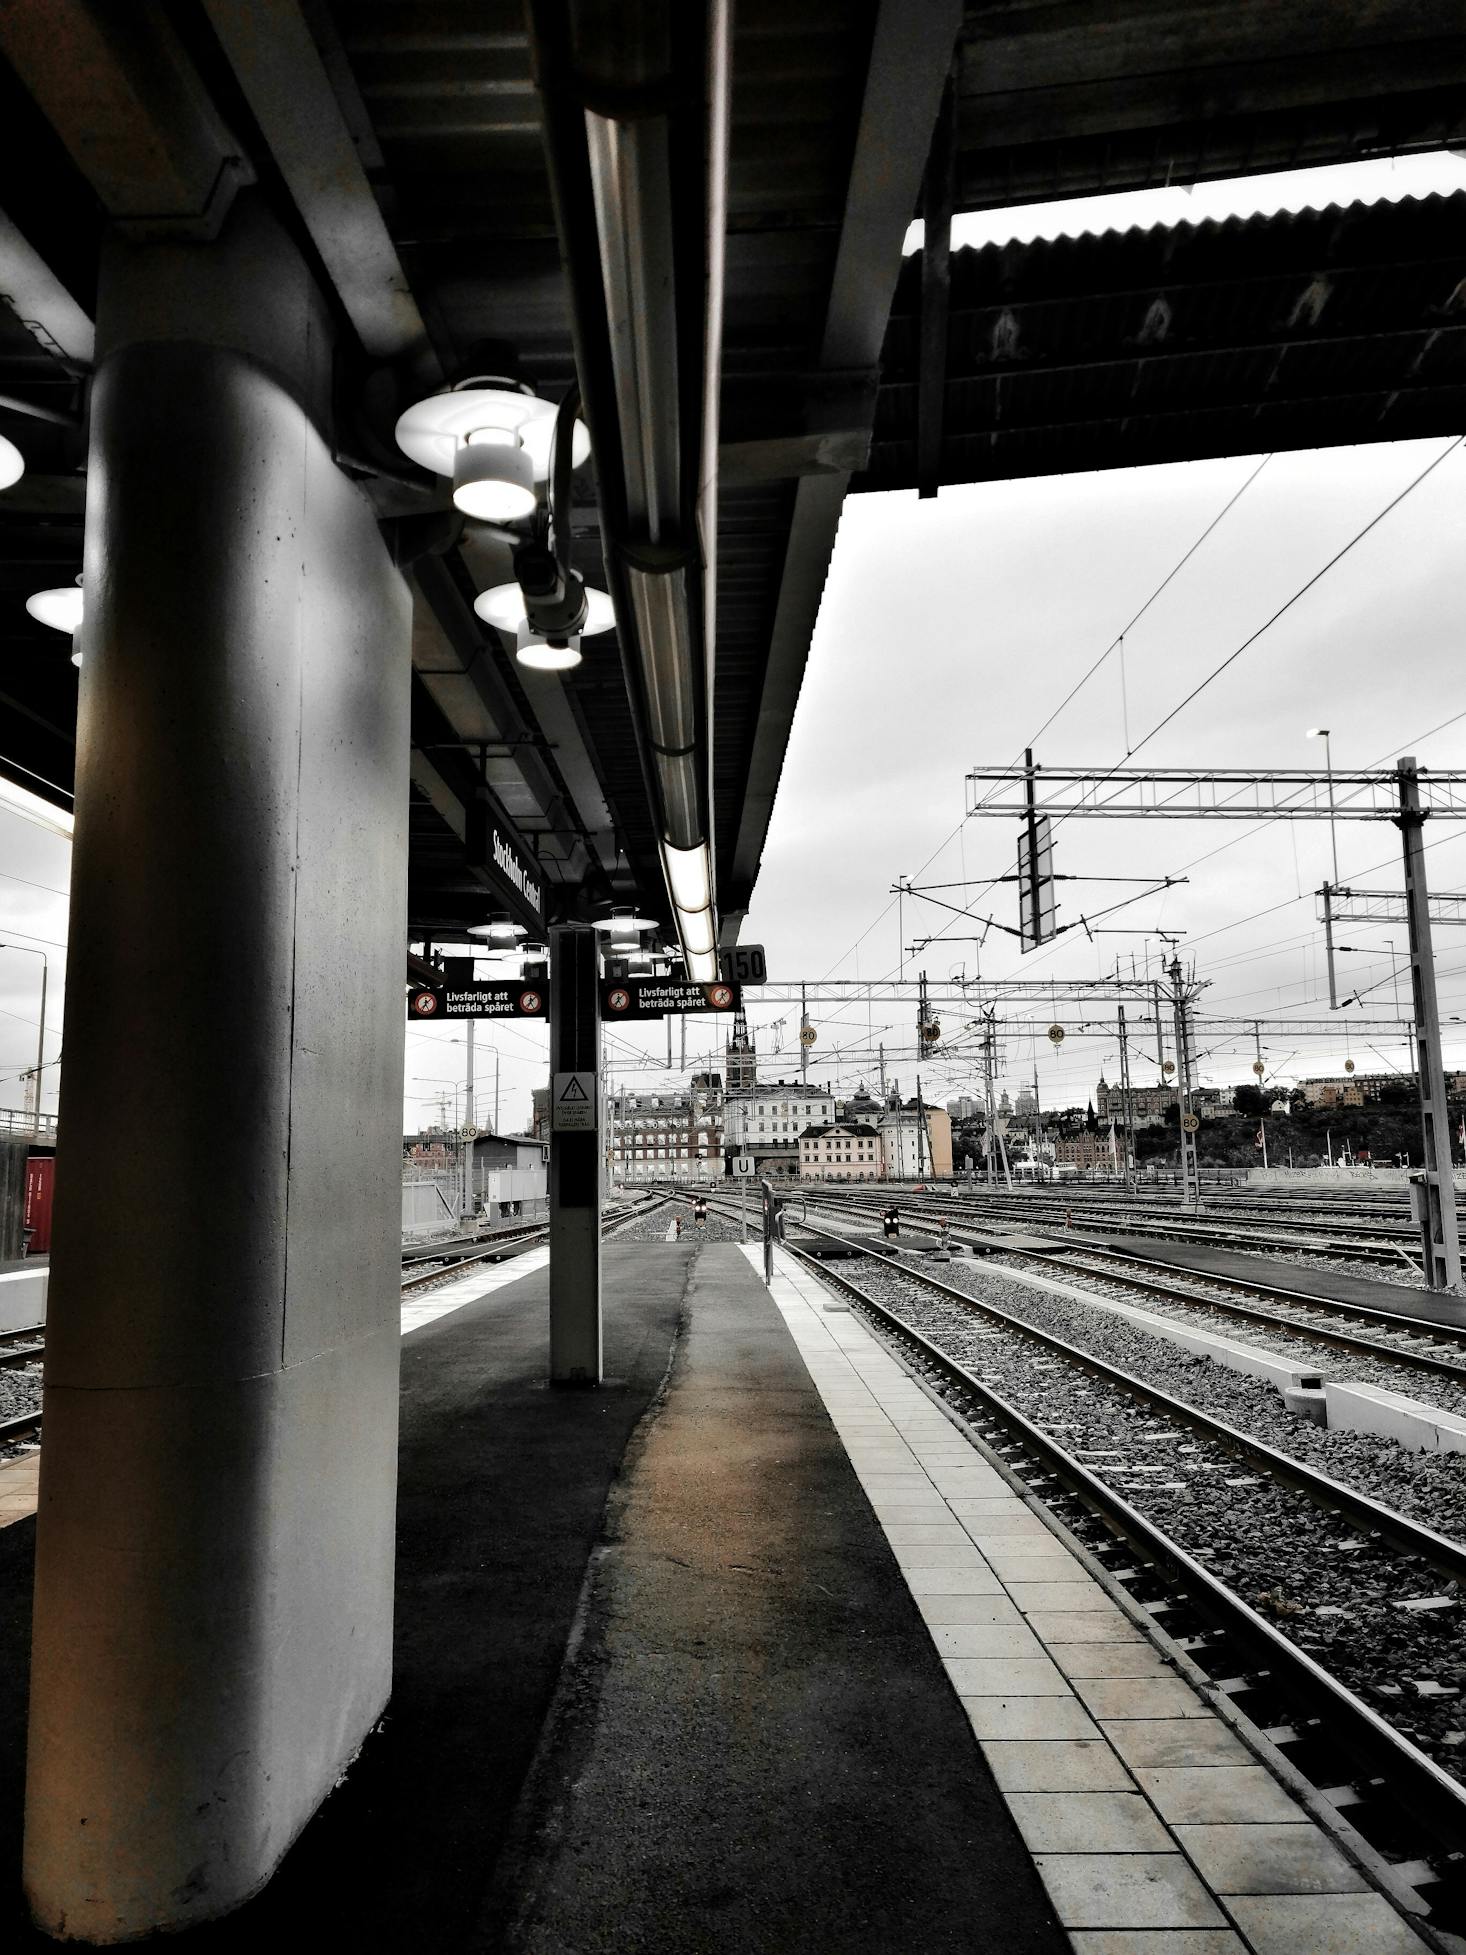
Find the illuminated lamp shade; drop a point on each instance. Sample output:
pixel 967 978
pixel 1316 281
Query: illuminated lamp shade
pixel 500 931
pixel 76 658
pixel 493 477
pixel 623 926
pixel 702 967
pixel 695 928
pixel 433 431
pixel 503 606
pixel 688 876
pixel 546 654
pixel 61 609
pixel 12 463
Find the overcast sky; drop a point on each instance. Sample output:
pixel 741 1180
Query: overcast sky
pixel 950 631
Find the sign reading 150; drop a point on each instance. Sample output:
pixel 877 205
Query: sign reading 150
pixel 743 964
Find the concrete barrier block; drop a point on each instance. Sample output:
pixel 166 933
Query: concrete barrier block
pixel 1424 1428
pixel 23 1298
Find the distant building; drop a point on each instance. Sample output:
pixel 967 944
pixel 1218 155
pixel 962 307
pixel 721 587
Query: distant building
pixel 1365 1089
pixel 1153 1103
pixel 1026 1105
pixel 908 1153
pixel 960 1111
pixel 667 1136
pixel 767 1120
pixel 848 1151
pixel 510 1176
pixel 1085 1150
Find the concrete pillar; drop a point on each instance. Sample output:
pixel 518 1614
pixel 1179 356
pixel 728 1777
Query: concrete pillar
pixel 213 1608
pixel 575 1159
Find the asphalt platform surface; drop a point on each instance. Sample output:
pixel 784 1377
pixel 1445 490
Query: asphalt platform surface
pixel 751 1745
pixel 755 1747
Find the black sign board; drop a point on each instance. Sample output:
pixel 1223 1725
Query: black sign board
pixel 743 964
pixel 495 847
pixel 656 997
pixel 479 1001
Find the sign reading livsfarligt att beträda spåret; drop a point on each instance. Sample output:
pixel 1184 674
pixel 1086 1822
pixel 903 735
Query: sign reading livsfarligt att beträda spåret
pixel 479 1001
pixel 655 997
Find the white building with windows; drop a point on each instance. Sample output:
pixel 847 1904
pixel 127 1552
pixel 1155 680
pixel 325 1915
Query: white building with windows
pixel 767 1120
pixel 848 1151
pixel 667 1136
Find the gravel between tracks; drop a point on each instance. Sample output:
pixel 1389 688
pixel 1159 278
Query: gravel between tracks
pixel 1337 1594
pixel 1308 1353
pixel 20 1392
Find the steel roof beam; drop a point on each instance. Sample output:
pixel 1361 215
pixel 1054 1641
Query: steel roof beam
pixel 290 94
pixel 911 56
pixel 120 91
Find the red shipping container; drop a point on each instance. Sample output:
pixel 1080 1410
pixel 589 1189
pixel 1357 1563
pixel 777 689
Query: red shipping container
pixel 40 1187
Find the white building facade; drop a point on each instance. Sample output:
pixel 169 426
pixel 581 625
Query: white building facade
pixel 848 1151
pixel 767 1121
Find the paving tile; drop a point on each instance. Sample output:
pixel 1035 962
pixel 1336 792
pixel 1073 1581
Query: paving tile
pixel 1028 1560
pixel 1171 1743
pixel 926 1581
pixel 1048 1594
pixel 1083 1626
pixel 1156 1941
pixel 1055 1765
pixel 1139 1697
pixel 938 1554
pixel 977 1509
pixel 1090 1659
pixel 1008 1718
pixel 1130 1890
pixel 986 1640
pixel 1021 1676
pixel 1020 1525
pixel 994 1610
pixel 884 1483
pixel 1087 1822
pixel 1323 1924
pixel 1220 1795
pixel 1288 1859
pixel 925 1534
pixel 895 1510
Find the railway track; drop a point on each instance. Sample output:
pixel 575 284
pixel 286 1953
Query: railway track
pixel 1405 1343
pixel 1387 1250
pixel 1393 1773
pixel 1437 1349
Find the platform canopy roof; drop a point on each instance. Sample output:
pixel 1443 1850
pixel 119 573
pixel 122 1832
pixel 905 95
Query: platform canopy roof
pixel 430 156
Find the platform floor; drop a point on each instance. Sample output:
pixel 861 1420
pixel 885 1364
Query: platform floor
pixel 753 1652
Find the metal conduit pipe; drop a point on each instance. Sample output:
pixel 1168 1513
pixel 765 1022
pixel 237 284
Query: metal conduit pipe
pixel 629 67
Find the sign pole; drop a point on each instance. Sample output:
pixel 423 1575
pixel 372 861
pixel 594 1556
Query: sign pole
pixel 575 1157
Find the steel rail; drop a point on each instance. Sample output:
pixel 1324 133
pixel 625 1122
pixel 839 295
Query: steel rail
pixel 1410 1537
pixel 1184 1228
pixel 1252 1313
pixel 1386 1319
pixel 1435 1799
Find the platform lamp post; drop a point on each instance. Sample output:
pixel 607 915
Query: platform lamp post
pixel 41 1040
pixel 1322 733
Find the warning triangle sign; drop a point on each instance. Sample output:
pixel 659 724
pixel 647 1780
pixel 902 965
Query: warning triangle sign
pixel 573 1090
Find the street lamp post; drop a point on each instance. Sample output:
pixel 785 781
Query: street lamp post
pixel 1322 733
pixel 41 1040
